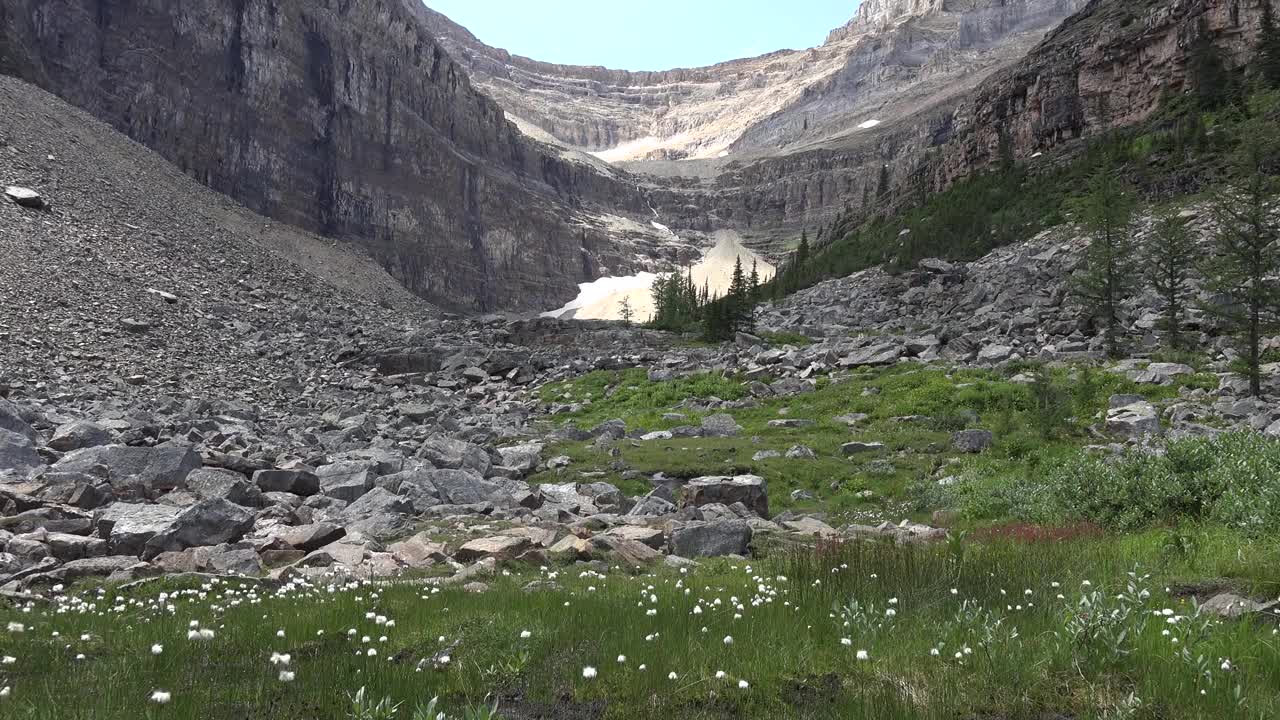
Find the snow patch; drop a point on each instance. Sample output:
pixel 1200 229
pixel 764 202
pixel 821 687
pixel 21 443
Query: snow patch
pixel 868 124
pixel 602 299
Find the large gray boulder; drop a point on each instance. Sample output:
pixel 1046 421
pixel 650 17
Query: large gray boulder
pixel 722 425
pixel 310 537
pixel 451 454
pixel 297 482
pixel 379 514
pixel 347 481
pixel 135 472
pixel 79 435
pixel 213 483
pixel 464 487
pixel 972 441
pixel 750 490
pixel 1136 420
pixel 11 419
pixel 522 458
pixel 209 522
pixel 128 526
pixel 711 539
pixel 17 454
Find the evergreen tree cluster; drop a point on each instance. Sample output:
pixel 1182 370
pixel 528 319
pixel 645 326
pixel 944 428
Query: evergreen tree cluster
pixel 679 305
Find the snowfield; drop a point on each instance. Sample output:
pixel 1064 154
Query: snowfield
pixel 602 299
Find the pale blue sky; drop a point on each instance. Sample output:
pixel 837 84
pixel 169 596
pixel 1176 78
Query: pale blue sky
pixel 647 34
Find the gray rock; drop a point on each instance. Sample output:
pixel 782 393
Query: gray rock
pixel 213 483
pixel 347 481
pixel 379 514
pixel 1136 420
pixel 995 354
pixel 464 487
pixel 208 522
pixel 524 458
pixel 128 526
pixel 135 471
pixel 750 490
pixel 11 419
pixel 801 452
pixel 858 448
pixel 296 482
pixel 17 454
pixel 310 537
pixel 25 197
pixel 712 539
pixel 721 426
pixel 972 441
pixel 79 435
pixel 451 454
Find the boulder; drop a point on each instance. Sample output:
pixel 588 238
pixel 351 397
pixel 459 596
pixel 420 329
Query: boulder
pixel 627 552
pixel 972 441
pixel 721 426
pixel 347 481
pixel 79 435
pixel 418 552
pixel 213 483
pixel 296 482
pixel 135 472
pixel 1136 420
pixel 464 487
pixel 208 522
pixel 711 539
pixel 522 458
pixel 653 537
pixel 995 354
pixel 750 490
pixel 500 547
pixel 876 355
pixel 17 454
pixel 451 454
pixel 572 547
pixel 859 448
pixel 128 526
pixel 309 537
pixel 379 514
pixel 25 197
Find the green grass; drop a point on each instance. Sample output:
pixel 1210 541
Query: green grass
pixel 1030 655
pixel 939 400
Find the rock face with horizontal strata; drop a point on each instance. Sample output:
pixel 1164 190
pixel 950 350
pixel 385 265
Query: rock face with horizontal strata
pixel 344 118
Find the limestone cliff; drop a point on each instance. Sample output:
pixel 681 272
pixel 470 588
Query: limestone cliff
pixel 343 117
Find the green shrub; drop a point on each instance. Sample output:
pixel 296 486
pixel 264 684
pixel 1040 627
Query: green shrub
pixel 1231 479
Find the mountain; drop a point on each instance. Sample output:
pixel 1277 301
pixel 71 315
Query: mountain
pixel 343 118
pixel 482 180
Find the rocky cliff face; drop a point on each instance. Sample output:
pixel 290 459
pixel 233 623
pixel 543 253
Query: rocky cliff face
pixel 344 118
pixel 1108 65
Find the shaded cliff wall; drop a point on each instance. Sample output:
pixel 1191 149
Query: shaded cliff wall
pixel 338 116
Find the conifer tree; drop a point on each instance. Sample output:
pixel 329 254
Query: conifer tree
pixel 625 311
pixel 1246 263
pixel 1269 47
pixel 1169 255
pixel 1106 210
pixel 755 282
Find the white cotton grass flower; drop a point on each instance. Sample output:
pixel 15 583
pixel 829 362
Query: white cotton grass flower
pixel 622 659
pixel 728 639
pixel 160 697
pixel 743 684
pixel 588 673
pixel 525 634
pixel 846 642
pixel 863 655
pixel 720 675
pixel 672 676
pixel 278 659
pixel 287 676
pixel 15 627
pixel 5 691
pixel 8 660
pixel 157 649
